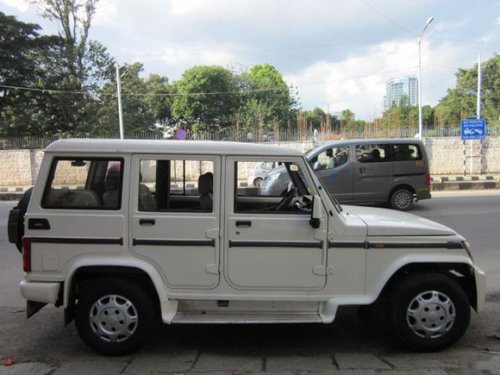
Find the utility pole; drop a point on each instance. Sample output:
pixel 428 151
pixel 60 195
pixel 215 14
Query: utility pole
pixel 420 124
pixel 119 95
pixel 478 110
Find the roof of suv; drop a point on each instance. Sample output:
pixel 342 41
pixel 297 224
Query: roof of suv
pixel 167 147
pixel 371 140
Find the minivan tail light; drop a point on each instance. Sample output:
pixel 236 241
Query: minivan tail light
pixel 428 179
pixel 26 254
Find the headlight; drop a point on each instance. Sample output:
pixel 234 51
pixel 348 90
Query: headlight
pixel 467 248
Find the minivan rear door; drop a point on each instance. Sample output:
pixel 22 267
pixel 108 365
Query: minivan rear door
pixel 373 173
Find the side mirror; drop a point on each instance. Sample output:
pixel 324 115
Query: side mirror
pixel 316 212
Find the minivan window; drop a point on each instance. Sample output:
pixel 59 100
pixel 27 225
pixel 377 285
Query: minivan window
pixel 332 158
pixel 371 153
pixel 375 153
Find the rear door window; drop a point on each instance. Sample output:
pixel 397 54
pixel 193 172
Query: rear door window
pixel 84 183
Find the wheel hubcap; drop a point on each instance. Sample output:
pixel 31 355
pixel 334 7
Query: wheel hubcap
pixel 113 318
pixel 402 200
pixel 431 314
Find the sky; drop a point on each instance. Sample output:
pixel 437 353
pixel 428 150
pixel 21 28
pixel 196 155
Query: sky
pixel 336 54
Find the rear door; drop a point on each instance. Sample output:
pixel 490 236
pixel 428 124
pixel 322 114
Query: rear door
pixel 67 218
pixel 269 243
pixel 373 174
pixel 175 209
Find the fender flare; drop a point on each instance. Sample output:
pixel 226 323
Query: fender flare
pixel 168 306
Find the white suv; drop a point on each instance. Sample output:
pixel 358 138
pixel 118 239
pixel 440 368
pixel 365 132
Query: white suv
pixel 120 233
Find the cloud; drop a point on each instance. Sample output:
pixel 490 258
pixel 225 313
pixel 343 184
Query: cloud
pixel 106 12
pixel 20 5
pixel 358 82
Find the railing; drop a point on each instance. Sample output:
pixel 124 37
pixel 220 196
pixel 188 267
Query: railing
pixel 283 135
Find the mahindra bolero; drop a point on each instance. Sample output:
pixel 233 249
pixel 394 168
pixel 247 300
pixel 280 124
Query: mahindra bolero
pixel 123 233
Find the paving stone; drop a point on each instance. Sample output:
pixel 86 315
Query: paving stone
pixel 217 362
pixel 97 366
pixel 28 368
pixel 300 363
pixel 420 361
pixel 168 362
pixel 360 361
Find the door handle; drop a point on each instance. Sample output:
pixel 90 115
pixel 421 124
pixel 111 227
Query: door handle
pixel 147 222
pixel 42 224
pixel 244 223
pixel 362 170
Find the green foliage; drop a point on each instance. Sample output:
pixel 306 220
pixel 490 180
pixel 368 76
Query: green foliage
pixel 27 61
pixel 144 102
pixel 460 102
pixel 268 100
pixel 78 69
pixel 208 95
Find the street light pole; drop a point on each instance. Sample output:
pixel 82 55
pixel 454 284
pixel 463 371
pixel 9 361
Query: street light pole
pixel 119 95
pixel 420 125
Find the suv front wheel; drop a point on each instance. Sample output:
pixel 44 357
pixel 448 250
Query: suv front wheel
pixel 114 316
pixel 428 311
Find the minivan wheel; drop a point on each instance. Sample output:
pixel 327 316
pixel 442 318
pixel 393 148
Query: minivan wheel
pixel 114 316
pixel 402 199
pixel 428 311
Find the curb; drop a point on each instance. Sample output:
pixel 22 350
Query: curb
pixel 438 183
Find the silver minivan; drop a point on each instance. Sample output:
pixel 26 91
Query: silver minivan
pixel 368 171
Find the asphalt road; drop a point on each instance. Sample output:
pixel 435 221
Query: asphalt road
pixel 351 345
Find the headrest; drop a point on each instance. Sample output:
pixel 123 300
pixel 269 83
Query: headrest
pixel 205 183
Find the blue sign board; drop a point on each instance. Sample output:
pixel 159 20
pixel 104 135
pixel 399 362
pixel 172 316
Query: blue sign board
pixel 473 129
pixel 180 134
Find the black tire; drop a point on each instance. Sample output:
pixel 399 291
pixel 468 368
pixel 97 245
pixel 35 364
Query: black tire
pixel 428 311
pixel 123 320
pixel 402 200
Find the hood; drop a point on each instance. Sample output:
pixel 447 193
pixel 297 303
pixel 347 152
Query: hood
pixel 385 222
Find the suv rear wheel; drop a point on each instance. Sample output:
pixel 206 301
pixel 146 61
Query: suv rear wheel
pixel 428 311
pixel 114 316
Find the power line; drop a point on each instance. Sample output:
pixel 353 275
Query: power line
pixel 242 92
pixel 388 18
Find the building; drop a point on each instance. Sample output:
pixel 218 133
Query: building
pixel 396 88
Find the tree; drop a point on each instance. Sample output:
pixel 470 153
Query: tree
pixel 26 58
pixel 207 95
pixel 83 65
pixel 144 102
pixel 266 85
pixel 460 102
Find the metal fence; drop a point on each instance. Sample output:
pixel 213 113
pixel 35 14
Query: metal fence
pixel 232 134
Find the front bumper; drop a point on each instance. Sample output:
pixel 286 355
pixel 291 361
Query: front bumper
pixel 42 292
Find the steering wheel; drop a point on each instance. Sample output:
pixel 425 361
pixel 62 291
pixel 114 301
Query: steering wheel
pixel 288 196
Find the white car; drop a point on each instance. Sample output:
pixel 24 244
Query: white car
pixel 259 172
pixel 123 233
